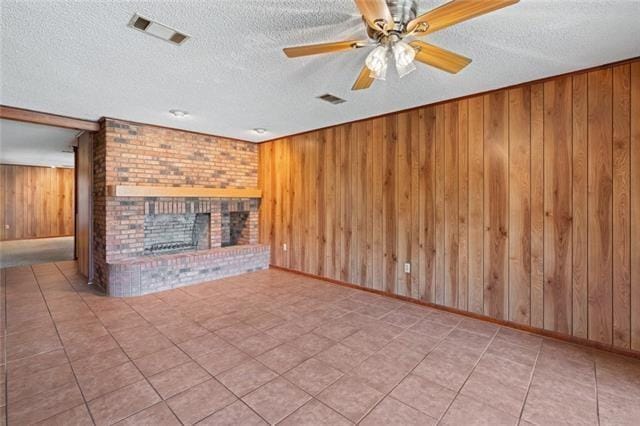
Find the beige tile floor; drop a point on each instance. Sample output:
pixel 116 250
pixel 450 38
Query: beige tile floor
pixel 273 347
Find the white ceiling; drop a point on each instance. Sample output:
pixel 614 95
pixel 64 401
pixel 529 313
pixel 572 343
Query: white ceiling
pixel 35 144
pixel 80 59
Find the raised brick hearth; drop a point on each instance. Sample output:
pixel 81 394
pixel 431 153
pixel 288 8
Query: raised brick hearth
pixel 150 274
pixel 132 270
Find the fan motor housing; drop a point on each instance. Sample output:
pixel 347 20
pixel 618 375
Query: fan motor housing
pixel 402 11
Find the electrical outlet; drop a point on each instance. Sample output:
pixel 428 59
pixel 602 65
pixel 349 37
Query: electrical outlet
pixel 284 247
pixel 407 268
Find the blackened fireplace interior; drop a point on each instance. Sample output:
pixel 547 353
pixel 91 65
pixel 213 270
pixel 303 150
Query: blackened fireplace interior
pixel 175 233
pixel 233 226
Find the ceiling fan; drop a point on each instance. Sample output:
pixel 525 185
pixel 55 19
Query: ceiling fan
pixel 390 22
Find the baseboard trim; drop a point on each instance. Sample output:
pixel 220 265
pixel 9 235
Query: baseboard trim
pixel 529 329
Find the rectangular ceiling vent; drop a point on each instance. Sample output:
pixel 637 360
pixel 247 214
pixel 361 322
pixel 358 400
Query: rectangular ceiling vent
pixel 332 99
pixel 158 30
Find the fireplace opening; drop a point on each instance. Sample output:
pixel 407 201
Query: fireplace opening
pixel 175 233
pixel 234 228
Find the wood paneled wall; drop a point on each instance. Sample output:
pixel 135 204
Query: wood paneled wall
pixel 522 204
pixel 84 204
pixel 35 202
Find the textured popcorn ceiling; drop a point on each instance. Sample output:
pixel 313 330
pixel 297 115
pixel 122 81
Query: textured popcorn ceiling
pixel 35 144
pixel 80 59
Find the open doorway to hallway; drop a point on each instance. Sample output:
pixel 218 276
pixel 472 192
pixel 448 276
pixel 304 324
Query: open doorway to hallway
pixel 37 193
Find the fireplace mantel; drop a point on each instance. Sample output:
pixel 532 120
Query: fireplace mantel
pixel 181 191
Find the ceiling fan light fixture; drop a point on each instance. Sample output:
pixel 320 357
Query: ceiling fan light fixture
pixel 406 69
pixel 377 61
pixel 403 53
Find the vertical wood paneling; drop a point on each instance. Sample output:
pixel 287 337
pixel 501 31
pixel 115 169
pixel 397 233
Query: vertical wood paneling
pixel 557 203
pixel 367 176
pixel 297 207
pixel 600 205
pixel 403 197
pixel 329 221
pixel 427 238
pixel 439 205
pixel 376 189
pixel 463 204
pixel 451 204
pixel 476 205
pixel 3 194
pixel 521 204
pixel 84 215
pixel 283 196
pixel 621 199
pixel 345 203
pixel 319 203
pixel 635 205
pixel 356 188
pixel 389 211
pixel 36 202
pixel 579 231
pixel 414 153
pixel 10 205
pixel 496 190
pixel 19 215
pixel 537 205
pixel 267 182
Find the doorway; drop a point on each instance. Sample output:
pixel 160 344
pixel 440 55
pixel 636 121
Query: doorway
pixel 38 193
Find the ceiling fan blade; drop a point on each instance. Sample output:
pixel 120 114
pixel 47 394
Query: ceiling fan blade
pixel 315 49
pixel 376 13
pixel 438 57
pixel 454 12
pixel 364 80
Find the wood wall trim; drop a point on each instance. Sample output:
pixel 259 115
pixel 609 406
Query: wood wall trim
pixel 36 117
pixel 169 191
pixel 504 323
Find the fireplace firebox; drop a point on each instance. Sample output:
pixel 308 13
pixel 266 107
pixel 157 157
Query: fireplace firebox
pixel 175 233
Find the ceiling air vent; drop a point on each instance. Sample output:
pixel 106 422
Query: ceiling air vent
pixel 156 29
pixel 331 99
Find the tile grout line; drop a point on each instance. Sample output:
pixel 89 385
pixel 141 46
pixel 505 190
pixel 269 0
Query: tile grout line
pixel 533 371
pixel 238 398
pixel 595 378
pixel 388 394
pixel 120 347
pixel 255 358
pixel 469 375
pixel 188 318
pixel 313 397
pixel 33 272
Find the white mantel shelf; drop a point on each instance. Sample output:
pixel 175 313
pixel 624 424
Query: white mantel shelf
pixel 181 191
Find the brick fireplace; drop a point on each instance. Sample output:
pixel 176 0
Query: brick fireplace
pixel 147 243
